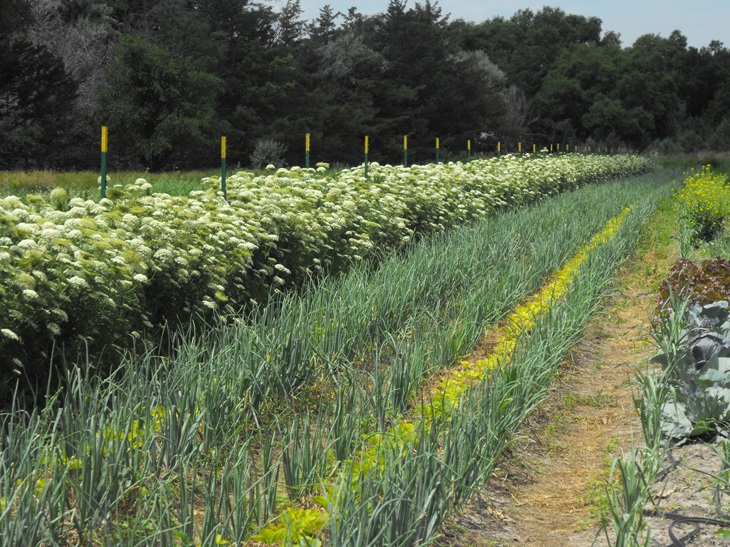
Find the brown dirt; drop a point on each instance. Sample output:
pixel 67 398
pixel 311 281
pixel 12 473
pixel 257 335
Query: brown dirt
pixel 547 492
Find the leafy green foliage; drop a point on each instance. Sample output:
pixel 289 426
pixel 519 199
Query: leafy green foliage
pixel 36 101
pixel 89 275
pixel 697 371
pixel 189 448
pixel 252 71
pixel 704 203
pixel 159 107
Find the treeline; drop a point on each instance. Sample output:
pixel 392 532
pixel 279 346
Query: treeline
pixel 169 77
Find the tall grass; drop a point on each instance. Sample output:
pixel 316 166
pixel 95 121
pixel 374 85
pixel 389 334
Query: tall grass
pixel 718 160
pixel 248 418
pixel 85 184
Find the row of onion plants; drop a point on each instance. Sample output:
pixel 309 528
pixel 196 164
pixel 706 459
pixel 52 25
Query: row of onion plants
pixel 402 482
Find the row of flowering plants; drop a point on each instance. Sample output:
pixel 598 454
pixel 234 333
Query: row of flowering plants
pixel 704 204
pixel 85 276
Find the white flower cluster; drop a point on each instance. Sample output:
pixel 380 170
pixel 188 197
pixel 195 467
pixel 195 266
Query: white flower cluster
pixel 121 264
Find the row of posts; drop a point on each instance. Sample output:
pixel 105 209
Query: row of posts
pixel 307 141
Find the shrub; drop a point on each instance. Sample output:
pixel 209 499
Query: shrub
pixel 704 203
pixel 266 152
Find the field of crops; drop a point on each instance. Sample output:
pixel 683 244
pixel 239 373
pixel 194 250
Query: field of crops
pixel 86 277
pixel 346 413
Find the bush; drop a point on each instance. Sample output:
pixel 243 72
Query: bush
pixel 704 203
pixel 266 152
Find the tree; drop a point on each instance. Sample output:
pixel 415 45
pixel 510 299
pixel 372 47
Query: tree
pixel 36 101
pixel 649 81
pixel 291 27
pixel 579 77
pixel 429 86
pixel 36 93
pixel 527 45
pixel 324 28
pixel 159 108
pixel 15 15
pixel 520 114
pixel 82 34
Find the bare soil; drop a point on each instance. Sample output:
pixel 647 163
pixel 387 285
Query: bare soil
pixel 543 493
pixel 549 491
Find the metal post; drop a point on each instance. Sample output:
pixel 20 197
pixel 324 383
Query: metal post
pixel 223 167
pixel 405 150
pixel 104 142
pixel 468 150
pixel 438 155
pixel 367 149
pixel 306 153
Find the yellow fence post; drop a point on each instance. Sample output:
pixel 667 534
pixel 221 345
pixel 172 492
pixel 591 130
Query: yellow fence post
pixel 104 143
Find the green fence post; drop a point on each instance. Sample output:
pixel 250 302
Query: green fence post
pixel 405 150
pixel 223 167
pixel 499 148
pixel 468 150
pixel 438 150
pixel 104 142
pixel 306 153
pixel 367 149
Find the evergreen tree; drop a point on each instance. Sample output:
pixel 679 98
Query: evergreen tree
pixel 159 108
pixel 36 94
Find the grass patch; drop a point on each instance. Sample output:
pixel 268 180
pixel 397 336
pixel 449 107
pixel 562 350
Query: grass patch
pixel 718 160
pixel 85 184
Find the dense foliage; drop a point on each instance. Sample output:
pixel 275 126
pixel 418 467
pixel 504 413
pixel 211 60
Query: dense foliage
pixel 170 76
pixel 83 274
pixel 704 204
pixel 696 370
pixel 208 446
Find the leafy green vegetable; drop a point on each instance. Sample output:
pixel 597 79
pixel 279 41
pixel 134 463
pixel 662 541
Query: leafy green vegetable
pixel 698 372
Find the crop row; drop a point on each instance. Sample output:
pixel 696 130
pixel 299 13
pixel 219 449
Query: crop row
pixel 684 390
pixel 465 459
pixel 208 446
pixel 85 275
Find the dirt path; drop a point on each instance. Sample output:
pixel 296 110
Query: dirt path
pixel 549 489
